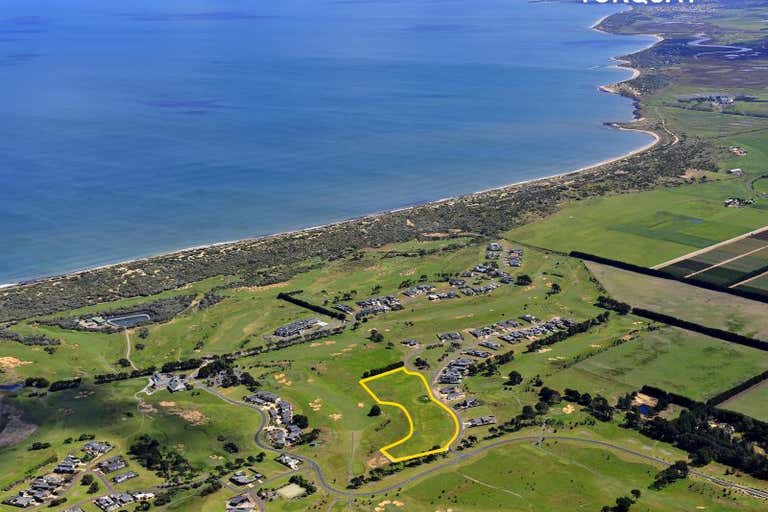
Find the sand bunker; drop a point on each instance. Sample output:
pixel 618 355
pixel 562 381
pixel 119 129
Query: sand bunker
pixel 9 363
pixel 384 505
pixel 377 460
pixel 191 416
pixel 281 379
pixel 335 416
pixel 569 409
pixel 316 404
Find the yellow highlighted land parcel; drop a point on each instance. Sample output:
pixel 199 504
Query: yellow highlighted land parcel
pixel 435 426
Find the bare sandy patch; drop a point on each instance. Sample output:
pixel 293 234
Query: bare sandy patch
pixel 282 379
pixel 408 272
pixel 360 405
pixel 376 461
pixel 543 350
pixel 265 287
pixel 9 363
pixel 596 345
pixel 167 404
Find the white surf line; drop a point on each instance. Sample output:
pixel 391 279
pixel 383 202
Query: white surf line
pixel 746 281
pixel 709 248
pixel 725 262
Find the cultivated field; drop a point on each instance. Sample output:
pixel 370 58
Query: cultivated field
pixel 735 264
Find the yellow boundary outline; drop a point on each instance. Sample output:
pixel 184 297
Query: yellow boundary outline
pixel 385 449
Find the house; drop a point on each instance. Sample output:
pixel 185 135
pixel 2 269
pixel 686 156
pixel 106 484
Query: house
pixel 443 295
pixel 285 411
pixel 451 393
pixel 457 282
pixel 481 421
pixel 96 448
pixel 289 461
pixel 21 500
pixel 241 478
pixel 69 466
pixel 490 344
pixel 478 353
pixel 450 336
pixel 467 404
pixel 410 343
pixel 421 289
pixel 124 477
pixel 507 324
pixel 143 495
pixel 378 305
pixel 241 502
pixel 177 384
pixel 344 308
pixel 262 398
pixel 735 172
pixel 297 327
pixel 112 464
pixel 493 246
pixel 482 332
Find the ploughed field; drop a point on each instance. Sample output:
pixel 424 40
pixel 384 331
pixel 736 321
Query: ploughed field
pixel 741 264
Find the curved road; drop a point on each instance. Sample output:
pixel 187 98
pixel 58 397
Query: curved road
pixel 757 493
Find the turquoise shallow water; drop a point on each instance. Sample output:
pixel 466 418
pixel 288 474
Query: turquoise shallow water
pixel 129 130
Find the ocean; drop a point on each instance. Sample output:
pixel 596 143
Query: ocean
pixel 129 129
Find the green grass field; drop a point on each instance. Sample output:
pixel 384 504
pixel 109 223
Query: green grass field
pixel 693 304
pixel 560 476
pixel 751 402
pixel 678 361
pixel 433 427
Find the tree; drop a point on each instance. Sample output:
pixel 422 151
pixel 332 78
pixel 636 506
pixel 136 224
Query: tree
pixel 524 280
pixel 125 363
pixel 555 289
pixel 375 411
pixel 231 447
pixel 376 336
pixel 93 488
pixel 514 378
pixel 87 479
pixel 300 421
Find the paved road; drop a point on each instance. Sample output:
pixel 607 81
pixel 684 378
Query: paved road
pixel 466 454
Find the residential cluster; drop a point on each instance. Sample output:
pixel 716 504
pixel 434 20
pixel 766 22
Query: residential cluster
pixel 377 305
pixel 420 289
pixel 534 331
pixel 41 490
pixel 282 431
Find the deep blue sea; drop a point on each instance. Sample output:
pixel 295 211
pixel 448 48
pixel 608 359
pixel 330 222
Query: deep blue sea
pixel 133 128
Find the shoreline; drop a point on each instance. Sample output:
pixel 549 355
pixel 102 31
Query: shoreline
pixel 610 88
